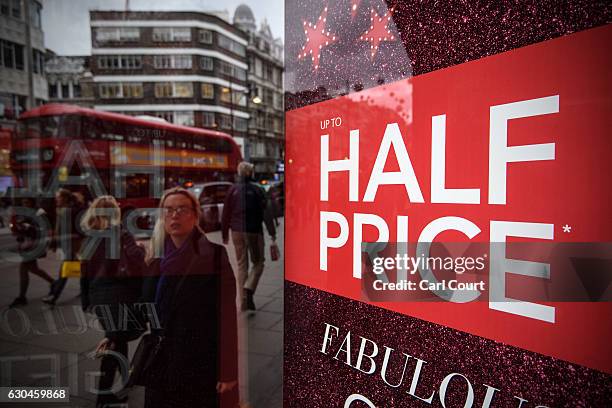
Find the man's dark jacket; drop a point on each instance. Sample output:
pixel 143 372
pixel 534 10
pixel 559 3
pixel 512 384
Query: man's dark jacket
pixel 245 209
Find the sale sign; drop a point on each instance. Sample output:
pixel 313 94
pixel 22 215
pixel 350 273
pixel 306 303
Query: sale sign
pixel 506 160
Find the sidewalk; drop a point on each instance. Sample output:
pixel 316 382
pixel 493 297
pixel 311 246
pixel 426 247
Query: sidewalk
pixel 40 346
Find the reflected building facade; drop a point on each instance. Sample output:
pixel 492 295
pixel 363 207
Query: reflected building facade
pixel 188 68
pixel 266 131
pixel 70 80
pixel 22 81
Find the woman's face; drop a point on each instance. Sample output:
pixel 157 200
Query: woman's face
pixel 179 215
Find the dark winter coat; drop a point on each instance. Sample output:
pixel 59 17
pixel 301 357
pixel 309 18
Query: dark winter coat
pixel 245 209
pixel 111 287
pixel 199 325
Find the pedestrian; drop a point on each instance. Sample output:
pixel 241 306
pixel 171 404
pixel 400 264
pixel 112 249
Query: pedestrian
pixel 244 211
pixel 28 235
pixel 195 298
pixel 110 288
pixel 66 236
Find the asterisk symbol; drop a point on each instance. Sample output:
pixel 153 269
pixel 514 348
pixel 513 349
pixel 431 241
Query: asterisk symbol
pixel 567 228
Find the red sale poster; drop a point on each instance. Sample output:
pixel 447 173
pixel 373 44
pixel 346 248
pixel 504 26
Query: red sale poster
pixel 448 229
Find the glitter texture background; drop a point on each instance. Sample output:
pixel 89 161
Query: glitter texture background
pixel 313 379
pixel 434 35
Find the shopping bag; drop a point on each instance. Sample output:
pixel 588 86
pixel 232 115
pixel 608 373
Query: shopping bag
pixel 274 252
pixel 71 269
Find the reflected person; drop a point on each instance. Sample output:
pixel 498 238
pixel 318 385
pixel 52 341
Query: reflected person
pixel 195 297
pixel 111 284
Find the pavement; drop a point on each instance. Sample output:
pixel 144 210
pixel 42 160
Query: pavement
pixel 42 346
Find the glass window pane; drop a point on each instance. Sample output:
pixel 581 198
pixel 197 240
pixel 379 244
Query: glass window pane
pixel 163 89
pixel 183 89
pixel 206 36
pixel 16 8
pixel 183 118
pixel 208 91
pixel 206 63
pixel 8 54
pixel 208 119
pixel 19 59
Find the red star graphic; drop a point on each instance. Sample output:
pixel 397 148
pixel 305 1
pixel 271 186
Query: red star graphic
pixel 316 39
pixel 354 7
pixel 378 31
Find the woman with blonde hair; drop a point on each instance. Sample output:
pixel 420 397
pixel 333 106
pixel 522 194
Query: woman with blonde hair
pixel 194 291
pixel 112 267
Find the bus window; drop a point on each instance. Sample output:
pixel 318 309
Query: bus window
pixel 199 146
pixel 200 143
pixel 183 141
pixel 132 138
pixel 137 186
pixel 170 140
pixel 28 129
pixel 41 127
pixel 111 132
pixel 71 127
pixel 50 126
pixel 91 128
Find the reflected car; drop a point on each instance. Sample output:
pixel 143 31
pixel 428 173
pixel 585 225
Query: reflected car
pixel 211 197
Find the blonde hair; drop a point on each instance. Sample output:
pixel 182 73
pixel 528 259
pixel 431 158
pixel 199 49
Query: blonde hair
pixel 159 231
pixel 245 169
pixel 101 220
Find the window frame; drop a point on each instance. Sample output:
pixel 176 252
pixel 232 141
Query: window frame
pixel 119 61
pixel 173 89
pixel 122 90
pixel 210 87
pixel 173 61
pixel 230 45
pixel 209 61
pixel 205 33
pixel 117 34
pixel 9 51
pixel 190 121
pixel 171 34
pixel 205 121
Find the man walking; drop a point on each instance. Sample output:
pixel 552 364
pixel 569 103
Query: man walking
pixel 244 211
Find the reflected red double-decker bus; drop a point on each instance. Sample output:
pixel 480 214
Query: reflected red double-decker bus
pixel 114 142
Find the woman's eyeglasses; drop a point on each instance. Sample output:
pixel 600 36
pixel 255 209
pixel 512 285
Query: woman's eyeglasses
pixel 179 211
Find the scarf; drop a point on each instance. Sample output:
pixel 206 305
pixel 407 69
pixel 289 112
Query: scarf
pixel 174 263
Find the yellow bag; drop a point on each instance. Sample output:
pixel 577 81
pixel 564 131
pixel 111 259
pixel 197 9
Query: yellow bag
pixel 71 269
